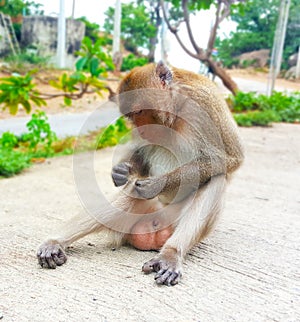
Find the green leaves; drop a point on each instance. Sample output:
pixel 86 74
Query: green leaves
pixel 8 140
pixel 80 64
pixel 194 4
pixel 257 118
pixel 132 61
pixel 114 134
pixel 256 22
pixel 12 162
pixel 16 152
pixel 258 109
pixel 19 90
pixel 93 60
pixel 136 26
pixel 39 132
pixel 93 63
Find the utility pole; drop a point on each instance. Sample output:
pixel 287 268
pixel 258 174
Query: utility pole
pixel 73 9
pixel 278 45
pixel 163 37
pixel 61 35
pixel 117 55
pixel 298 65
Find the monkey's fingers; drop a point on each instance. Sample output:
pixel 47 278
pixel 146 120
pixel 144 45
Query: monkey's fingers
pixel 148 188
pixel 120 173
pixel 122 168
pixel 119 179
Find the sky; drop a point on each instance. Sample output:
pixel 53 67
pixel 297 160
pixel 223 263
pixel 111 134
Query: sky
pixel 94 11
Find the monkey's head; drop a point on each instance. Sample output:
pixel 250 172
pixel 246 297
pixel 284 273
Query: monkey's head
pixel 145 96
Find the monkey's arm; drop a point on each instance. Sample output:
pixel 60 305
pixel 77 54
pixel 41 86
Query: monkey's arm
pixel 188 177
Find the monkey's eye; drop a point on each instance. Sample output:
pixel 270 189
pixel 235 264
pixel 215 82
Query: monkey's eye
pixel 138 112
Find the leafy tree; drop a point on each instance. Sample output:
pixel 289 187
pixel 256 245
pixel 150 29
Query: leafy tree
pixel 15 8
pixel 180 13
pixel 131 61
pixel 19 90
pixel 153 8
pixel 92 31
pixel 292 40
pixel 91 28
pixel 256 28
pixel 136 26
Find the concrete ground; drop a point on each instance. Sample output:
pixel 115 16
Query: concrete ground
pixel 247 270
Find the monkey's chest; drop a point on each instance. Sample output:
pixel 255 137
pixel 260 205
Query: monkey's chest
pixel 162 161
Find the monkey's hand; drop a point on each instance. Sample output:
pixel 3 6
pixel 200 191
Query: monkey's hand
pixel 120 173
pixel 151 187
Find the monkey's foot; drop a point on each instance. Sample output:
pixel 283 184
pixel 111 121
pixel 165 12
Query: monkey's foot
pixel 167 272
pixel 51 254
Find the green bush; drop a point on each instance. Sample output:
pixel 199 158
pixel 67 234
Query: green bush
pixel 262 118
pixel 244 102
pixel 16 152
pixel 247 63
pixel 113 134
pixel 258 109
pixel 8 140
pixel 39 133
pixel 26 60
pixel 131 61
pixel 12 162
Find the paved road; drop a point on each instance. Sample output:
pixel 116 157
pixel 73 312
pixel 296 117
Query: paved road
pixel 68 124
pixel 75 123
pixel 248 85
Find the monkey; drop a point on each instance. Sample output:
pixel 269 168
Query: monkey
pixel 172 178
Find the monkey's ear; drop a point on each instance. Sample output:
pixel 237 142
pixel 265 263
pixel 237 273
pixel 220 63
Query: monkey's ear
pixel 164 73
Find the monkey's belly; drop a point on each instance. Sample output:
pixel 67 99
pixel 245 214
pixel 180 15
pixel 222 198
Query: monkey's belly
pixel 153 240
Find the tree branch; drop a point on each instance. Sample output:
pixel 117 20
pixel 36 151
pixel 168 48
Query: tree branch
pixel 75 96
pixel 175 32
pixel 171 28
pixel 213 31
pixel 225 14
pixel 188 26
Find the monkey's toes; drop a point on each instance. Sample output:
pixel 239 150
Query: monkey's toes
pixel 153 265
pixel 167 273
pixel 51 255
pixel 167 277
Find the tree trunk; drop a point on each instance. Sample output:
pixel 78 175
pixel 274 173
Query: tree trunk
pixel 153 42
pixel 220 72
pixel 155 20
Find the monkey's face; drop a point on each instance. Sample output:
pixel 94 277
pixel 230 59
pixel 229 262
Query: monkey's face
pixel 145 98
pixel 148 124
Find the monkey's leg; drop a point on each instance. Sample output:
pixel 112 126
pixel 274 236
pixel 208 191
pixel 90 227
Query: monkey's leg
pixel 198 214
pixel 52 252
